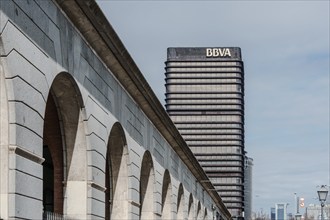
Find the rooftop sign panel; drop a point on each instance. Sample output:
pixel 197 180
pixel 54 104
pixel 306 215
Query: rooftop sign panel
pixel 203 53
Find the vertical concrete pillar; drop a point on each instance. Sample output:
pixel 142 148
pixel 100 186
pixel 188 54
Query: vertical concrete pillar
pixel 4 145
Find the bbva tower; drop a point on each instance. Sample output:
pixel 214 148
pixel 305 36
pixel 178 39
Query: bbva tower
pixel 82 135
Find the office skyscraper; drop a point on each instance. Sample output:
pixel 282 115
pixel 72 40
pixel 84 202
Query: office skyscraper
pixel 248 188
pixel 272 213
pixel 205 99
pixel 281 209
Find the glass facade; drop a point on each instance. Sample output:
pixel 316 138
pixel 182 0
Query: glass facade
pixel 205 99
pixel 280 213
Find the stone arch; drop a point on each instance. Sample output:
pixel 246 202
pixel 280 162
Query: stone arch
pixel 147 180
pixel 180 203
pixel 116 194
pixel 205 214
pixel 191 207
pixel 64 151
pixel 167 196
pixel 199 214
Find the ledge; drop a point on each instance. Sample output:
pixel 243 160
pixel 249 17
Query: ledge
pixel 26 154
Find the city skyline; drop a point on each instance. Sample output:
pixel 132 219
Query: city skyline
pixel 285 49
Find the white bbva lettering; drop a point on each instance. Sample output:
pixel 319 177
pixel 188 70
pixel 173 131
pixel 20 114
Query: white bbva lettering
pixel 217 52
pixel 209 52
pixel 227 52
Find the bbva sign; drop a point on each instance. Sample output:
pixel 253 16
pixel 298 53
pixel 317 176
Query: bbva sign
pixel 218 52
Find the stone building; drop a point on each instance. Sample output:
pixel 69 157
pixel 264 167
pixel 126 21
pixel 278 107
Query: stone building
pixel 82 135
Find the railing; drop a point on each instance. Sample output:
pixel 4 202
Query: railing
pixel 52 216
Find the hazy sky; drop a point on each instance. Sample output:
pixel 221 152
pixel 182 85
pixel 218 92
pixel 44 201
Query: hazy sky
pixel 285 47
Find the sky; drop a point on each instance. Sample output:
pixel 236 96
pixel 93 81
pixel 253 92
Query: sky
pixel 285 49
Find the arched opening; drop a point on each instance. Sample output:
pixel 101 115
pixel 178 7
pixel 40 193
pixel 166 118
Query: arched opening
pixel 205 214
pixel 116 197
pixel 180 203
pixel 53 173
pixel 191 208
pixel 147 180
pixel 167 197
pixel 64 151
pixel 199 213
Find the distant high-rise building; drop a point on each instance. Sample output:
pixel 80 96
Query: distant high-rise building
pixel 281 211
pixel 272 213
pixel 205 99
pixel 248 188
